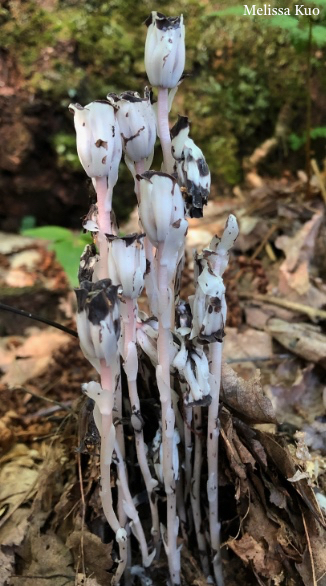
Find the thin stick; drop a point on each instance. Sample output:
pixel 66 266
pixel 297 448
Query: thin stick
pixel 43 320
pixel 315 168
pixel 309 311
pixel 310 550
pixel 264 241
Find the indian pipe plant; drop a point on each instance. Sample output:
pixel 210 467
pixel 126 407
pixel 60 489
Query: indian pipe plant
pixel 181 339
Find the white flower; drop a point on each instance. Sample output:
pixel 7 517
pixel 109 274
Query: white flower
pixel 127 263
pixel 161 204
pixel 208 306
pixel 98 321
pixel 98 139
pixel 137 124
pixel 222 246
pixel 164 49
pixel 192 364
pixel 191 168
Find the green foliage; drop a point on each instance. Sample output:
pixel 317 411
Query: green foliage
pixel 297 141
pixel 242 69
pixel 67 246
pixel 65 147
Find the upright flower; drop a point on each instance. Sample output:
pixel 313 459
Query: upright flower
pixel 127 263
pixel 98 139
pixel 137 124
pixel 164 49
pixel 161 204
pixel 191 168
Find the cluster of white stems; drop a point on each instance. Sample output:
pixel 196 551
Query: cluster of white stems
pixel 183 339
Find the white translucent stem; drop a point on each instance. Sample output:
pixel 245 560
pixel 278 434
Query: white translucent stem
pixel 212 458
pixel 188 451
pixel 129 320
pixel 163 128
pixel 130 507
pixel 106 456
pixel 104 206
pixel 119 436
pixel 195 491
pixel 163 344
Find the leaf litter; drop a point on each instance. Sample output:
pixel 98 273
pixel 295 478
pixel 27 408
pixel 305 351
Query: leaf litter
pixel 272 415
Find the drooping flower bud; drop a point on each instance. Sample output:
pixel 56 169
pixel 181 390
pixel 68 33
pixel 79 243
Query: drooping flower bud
pixel 192 365
pixel 191 168
pixel 161 204
pixel 208 305
pixel 98 321
pixel 127 263
pixel 164 49
pixel 98 139
pixel 137 124
pixel 87 263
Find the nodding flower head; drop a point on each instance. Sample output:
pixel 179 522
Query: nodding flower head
pixel 98 320
pixel 164 49
pixel 98 139
pixel 127 263
pixel 208 304
pixel 191 168
pixel 137 124
pixel 161 204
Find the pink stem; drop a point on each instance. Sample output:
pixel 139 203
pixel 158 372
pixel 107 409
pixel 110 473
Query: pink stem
pixel 164 129
pixel 163 344
pixel 104 206
pixel 195 491
pixel 106 455
pixel 213 432
pixel 129 319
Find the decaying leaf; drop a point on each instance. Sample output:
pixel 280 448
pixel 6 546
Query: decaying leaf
pixel 302 339
pixel 7 562
pixel 284 462
pixel 96 555
pixel 46 558
pixel 249 550
pixel 33 357
pixel 246 397
pixel 294 275
pixel 18 479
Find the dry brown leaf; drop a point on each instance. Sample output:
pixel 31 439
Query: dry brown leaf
pixel 302 339
pixel 249 550
pixel 294 277
pixel 313 564
pixel 33 357
pixel 18 478
pixel 246 397
pixel 7 562
pixel 284 462
pixel 48 558
pixel 250 343
pixel 97 555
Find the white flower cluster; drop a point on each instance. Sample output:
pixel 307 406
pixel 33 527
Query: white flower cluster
pixel 179 334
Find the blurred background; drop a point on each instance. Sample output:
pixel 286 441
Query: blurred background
pixel 251 80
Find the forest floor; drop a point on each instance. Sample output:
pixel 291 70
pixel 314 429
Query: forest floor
pixel 272 416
